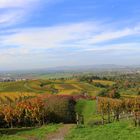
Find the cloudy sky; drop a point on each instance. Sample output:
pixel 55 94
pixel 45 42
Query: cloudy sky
pixel 48 33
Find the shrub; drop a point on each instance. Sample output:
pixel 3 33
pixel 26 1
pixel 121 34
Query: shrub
pixel 60 109
pixel 113 93
pixel 102 93
pixel 92 123
pixel 80 106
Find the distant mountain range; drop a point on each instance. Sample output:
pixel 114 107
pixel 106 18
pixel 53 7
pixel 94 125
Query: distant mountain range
pixel 104 67
pixel 82 68
pixel 34 73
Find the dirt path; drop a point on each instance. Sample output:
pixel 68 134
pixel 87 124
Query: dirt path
pixel 60 133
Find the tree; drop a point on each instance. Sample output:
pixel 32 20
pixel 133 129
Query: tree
pixel 8 115
pixel 114 93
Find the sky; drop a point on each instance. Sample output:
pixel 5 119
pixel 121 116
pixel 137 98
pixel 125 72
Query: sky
pixel 38 34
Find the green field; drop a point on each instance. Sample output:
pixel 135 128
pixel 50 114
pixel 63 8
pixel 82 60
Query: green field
pixel 50 87
pixel 26 134
pixel 87 108
pixel 64 86
pixel 123 130
pixel 114 131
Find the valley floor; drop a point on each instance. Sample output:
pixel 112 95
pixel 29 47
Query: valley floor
pixel 114 131
pixel 29 133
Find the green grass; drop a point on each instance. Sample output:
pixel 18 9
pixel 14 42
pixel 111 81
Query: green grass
pixel 36 133
pixel 87 108
pixel 130 91
pixel 12 138
pixel 72 86
pixel 115 131
pixel 55 75
pixel 13 87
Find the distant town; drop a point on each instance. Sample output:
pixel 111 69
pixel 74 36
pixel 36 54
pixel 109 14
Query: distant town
pixel 9 79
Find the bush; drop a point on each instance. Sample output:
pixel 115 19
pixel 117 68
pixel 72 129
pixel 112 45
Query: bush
pixel 60 109
pixel 102 93
pixel 92 123
pixel 112 93
pixel 100 85
pixel 80 106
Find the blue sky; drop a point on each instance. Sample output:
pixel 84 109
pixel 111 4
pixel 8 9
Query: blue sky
pixel 50 33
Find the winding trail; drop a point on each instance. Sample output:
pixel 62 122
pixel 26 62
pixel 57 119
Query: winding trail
pixel 60 133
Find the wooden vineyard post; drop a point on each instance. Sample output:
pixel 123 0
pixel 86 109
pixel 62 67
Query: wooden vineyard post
pixel 77 119
pixel 82 119
pixel 96 105
pixel 108 111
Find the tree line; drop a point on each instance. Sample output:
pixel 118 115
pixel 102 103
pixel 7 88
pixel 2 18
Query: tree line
pixel 36 111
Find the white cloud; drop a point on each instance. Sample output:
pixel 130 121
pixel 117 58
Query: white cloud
pixel 116 47
pixel 80 35
pixel 33 45
pixel 49 37
pixel 16 11
pixel 11 17
pixel 15 3
pixel 112 35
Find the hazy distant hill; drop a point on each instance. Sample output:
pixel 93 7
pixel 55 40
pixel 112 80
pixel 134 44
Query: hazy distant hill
pixel 104 67
pixel 29 74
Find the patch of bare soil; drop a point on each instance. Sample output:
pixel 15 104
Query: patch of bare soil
pixel 60 133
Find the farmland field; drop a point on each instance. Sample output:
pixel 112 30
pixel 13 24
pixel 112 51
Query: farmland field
pixel 114 131
pixel 15 95
pixel 69 69
pixel 29 133
pixel 47 86
pixel 70 86
pixel 27 108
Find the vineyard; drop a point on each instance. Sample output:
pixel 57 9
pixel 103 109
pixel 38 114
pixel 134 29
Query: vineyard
pixel 49 86
pixel 38 110
pixel 13 96
pixel 114 109
pixel 85 102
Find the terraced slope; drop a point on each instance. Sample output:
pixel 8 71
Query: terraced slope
pixel 32 87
